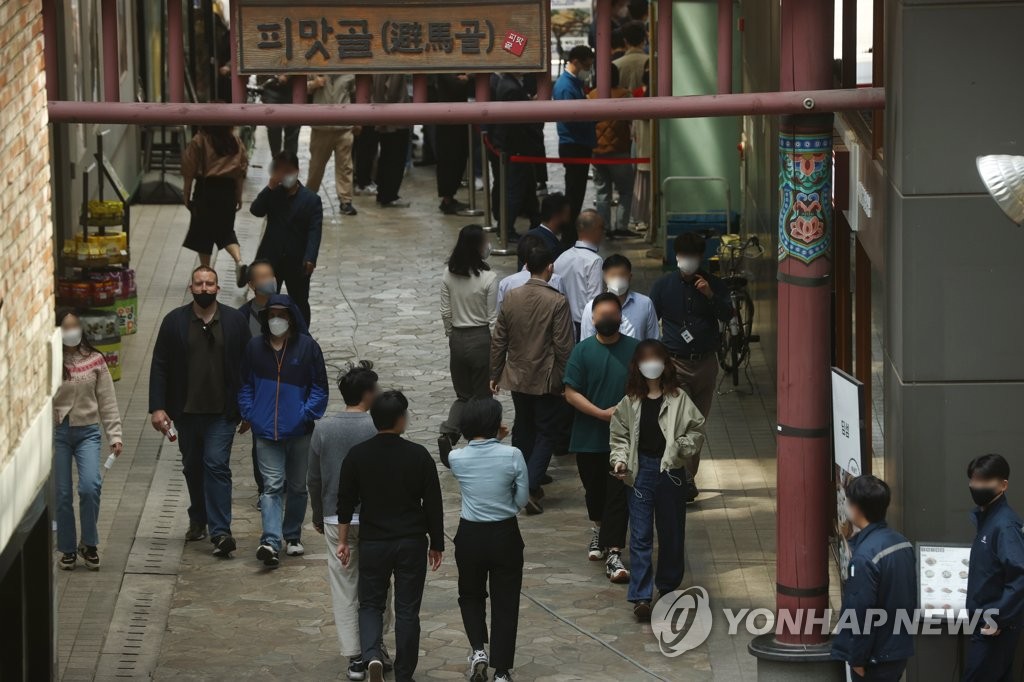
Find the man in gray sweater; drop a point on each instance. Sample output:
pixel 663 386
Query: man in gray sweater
pixel 332 439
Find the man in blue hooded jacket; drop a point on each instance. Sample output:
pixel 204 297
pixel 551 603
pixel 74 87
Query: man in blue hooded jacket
pixel 284 391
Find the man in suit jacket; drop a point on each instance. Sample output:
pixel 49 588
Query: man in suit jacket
pixel 554 214
pixel 193 387
pixel 530 346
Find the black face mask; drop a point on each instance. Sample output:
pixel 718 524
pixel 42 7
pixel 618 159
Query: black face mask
pixel 607 326
pixel 983 496
pixel 204 300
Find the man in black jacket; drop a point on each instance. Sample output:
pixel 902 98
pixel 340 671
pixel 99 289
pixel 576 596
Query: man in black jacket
pixel 995 581
pixel 193 386
pixel 513 138
pixel 394 482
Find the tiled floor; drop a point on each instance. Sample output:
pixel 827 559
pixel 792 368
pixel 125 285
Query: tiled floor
pixel 375 297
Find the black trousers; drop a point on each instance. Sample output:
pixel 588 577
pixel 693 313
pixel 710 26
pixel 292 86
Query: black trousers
pixel 575 185
pixel 257 475
pixel 535 432
pixel 521 192
pixel 605 497
pixel 379 560
pixel 364 155
pixel 451 153
pixel 295 279
pixel 394 152
pixel 890 671
pixel 490 552
pixel 291 139
pixel 990 659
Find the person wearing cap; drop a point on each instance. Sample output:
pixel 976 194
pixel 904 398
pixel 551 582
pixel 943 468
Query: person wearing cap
pixel 284 391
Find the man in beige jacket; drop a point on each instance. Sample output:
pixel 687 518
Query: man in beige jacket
pixel 337 140
pixel 530 345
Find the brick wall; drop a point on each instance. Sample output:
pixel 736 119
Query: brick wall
pixel 26 244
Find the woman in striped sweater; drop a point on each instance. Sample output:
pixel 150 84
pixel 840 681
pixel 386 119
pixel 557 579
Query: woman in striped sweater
pixel 84 400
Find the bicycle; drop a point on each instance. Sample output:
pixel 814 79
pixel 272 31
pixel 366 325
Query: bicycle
pixel 737 333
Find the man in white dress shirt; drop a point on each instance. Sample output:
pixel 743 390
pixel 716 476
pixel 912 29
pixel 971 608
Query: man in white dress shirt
pixel 639 319
pixel 580 266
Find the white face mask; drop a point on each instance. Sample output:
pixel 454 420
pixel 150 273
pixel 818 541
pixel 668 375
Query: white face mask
pixel 289 180
pixel 71 337
pixel 278 326
pixel 618 285
pixel 688 264
pixel 585 75
pixel 652 369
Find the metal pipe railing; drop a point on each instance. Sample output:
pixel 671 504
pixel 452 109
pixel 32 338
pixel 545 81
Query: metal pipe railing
pixel 485 178
pixel 503 216
pixel 627 108
pixel 471 210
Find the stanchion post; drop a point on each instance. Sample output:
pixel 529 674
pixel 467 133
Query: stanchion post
pixel 485 177
pixel 472 210
pixel 503 216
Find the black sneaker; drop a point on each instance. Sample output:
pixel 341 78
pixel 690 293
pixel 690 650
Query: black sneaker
pixel 196 531
pixel 546 480
pixel 348 209
pixel 67 561
pixel 223 546
pixel 452 207
pixel 533 506
pixel 394 203
pixel 615 569
pixel 241 274
pixel 642 611
pixel 268 555
pixel 356 668
pixel 375 669
pixel 90 557
pixel 595 552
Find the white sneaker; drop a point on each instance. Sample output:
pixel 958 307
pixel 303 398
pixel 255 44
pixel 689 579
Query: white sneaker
pixel 478 666
pixel 375 671
pixel 503 678
pixel 594 550
pixel 478 184
pixel 295 548
pixel 366 190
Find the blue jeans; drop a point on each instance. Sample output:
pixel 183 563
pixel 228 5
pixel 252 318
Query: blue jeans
pixel 620 178
pixel 281 461
pixel 656 498
pixel 205 444
pixel 82 444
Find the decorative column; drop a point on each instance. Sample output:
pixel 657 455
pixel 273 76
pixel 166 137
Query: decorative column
pixel 804 353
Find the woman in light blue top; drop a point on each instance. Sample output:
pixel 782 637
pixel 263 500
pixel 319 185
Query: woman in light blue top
pixel 488 545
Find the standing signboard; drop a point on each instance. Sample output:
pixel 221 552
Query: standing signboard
pixel 392 36
pixel 849 444
pixel 570 25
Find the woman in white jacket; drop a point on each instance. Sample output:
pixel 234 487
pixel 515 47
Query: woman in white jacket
pixel 655 429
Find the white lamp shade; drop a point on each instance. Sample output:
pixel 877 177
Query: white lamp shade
pixel 1004 179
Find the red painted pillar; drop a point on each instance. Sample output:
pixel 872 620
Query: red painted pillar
pixel 724 47
pixel 51 59
pixel 603 58
pixel 299 92
pixel 419 89
pixel 111 60
pixel 544 85
pixel 664 45
pixel 364 86
pixel 483 87
pixel 804 344
pixel 175 53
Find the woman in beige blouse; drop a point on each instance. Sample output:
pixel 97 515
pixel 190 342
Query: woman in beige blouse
pixel 84 400
pixel 469 307
pixel 215 163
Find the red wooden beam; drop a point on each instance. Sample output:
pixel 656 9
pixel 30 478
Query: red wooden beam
pixel 626 108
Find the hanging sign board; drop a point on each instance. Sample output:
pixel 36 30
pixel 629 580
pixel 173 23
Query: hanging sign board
pixel 393 36
pixel 849 448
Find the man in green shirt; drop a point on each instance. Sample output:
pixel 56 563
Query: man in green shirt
pixel 595 382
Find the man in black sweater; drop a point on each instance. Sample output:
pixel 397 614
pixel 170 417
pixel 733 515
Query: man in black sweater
pixel 395 482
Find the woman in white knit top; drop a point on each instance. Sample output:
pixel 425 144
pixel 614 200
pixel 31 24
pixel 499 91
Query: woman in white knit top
pixel 84 400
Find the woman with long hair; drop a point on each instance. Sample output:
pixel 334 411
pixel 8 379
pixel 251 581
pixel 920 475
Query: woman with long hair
pixel 469 308
pixel 215 164
pixel 84 400
pixel 655 429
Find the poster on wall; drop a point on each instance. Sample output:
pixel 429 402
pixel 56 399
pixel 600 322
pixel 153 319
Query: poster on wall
pixel 570 25
pixel 849 449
